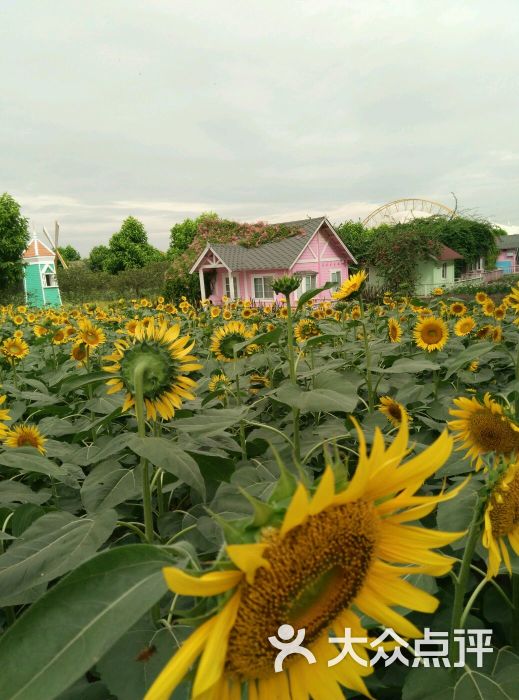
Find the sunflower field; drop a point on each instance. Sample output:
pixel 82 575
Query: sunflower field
pixel 183 490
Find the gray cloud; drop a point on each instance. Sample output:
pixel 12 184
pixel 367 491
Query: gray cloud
pixel 257 110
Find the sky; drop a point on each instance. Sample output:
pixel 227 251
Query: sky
pixel 265 110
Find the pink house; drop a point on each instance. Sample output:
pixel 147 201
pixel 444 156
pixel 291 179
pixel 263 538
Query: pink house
pixel 315 253
pixel 508 258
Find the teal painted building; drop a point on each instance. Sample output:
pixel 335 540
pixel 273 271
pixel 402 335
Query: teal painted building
pixel 40 281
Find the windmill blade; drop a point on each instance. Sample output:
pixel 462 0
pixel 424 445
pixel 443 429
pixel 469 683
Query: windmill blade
pixel 55 250
pixel 56 234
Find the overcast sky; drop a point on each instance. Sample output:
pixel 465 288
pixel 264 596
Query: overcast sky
pixel 255 109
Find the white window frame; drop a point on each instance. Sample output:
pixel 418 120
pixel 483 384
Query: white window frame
pixel 336 272
pixel 263 278
pixel 228 286
pixel 444 271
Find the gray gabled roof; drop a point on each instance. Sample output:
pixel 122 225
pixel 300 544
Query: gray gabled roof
pixel 278 255
pixel 507 242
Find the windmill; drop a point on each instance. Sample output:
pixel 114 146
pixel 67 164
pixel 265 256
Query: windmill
pixel 54 245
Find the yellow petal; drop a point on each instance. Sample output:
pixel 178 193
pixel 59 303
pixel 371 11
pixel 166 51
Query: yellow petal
pixel 211 665
pixel 325 493
pixel 175 670
pixel 248 558
pixel 207 585
pixel 297 510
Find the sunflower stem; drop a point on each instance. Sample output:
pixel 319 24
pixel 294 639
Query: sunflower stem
pixel 138 378
pixel 293 379
pixel 460 587
pixel 371 401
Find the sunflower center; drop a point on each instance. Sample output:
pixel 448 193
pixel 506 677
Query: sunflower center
pixel 160 370
pixel 395 411
pixel 26 438
pixel 492 432
pixel 432 334
pixel 504 516
pixel 315 573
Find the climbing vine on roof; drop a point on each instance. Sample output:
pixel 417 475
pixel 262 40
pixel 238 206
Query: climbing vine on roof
pixel 189 239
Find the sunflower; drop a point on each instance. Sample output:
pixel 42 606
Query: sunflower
pixel 40 331
pixel 437 291
pixel 394 330
pixel 14 349
pixel 283 312
pixel 431 334
pixel 306 328
pixel 457 308
pixel 4 415
pixel 483 428
pixel 481 297
pixel 220 384
pixel 327 560
pixel 484 332
pixel 79 352
pixel 247 312
pixel 25 436
pixel 488 307
pixel 496 334
pixel 350 286
pixel 500 313
pixel 501 520
pixel 131 326
pixel 225 338
pixel 513 298
pixel 18 320
pixel 59 337
pixel 215 311
pixel 355 313
pixel 227 315
pixel 166 360
pixel 474 366
pixel 392 410
pixel 464 326
pixel 257 382
pixel 90 335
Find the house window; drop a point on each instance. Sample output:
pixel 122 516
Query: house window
pixel 309 282
pixel 50 280
pixel 335 277
pixel 444 271
pixel 263 288
pixel 228 286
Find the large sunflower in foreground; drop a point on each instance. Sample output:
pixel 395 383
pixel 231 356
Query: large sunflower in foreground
pixel 318 566
pixel 483 428
pixel 166 359
pixel 350 286
pixel 502 520
pixel 226 337
pixel 431 334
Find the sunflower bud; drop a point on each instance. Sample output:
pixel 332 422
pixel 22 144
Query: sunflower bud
pixel 286 284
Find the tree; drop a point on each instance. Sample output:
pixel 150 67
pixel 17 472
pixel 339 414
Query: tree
pixel 396 251
pixel 69 253
pixel 129 248
pixel 183 234
pixel 97 258
pixel 14 239
pixel 357 239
